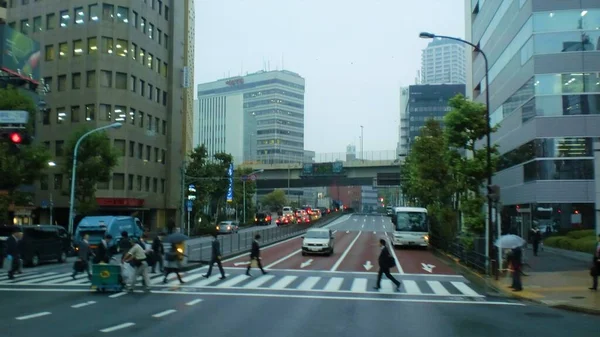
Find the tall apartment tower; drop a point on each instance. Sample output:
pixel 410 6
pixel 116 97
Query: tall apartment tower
pixel 443 62
pixel 403 136
pixel 128 61
pixel 255 118
pixel 544 83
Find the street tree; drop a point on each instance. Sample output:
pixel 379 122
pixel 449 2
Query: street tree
pixel 275 200
pixel 196 174
pixel 96 159
pixel 23 165
pixel 217 171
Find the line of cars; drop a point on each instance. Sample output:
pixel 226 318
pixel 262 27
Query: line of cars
pixel 305 214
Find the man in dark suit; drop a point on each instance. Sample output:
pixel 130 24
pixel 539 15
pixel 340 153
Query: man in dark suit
pixel 255 255
pixel 595 272
pixel 158 250
pixel 386 262
pixel 103 254
pixel 13 252
pixel 83 253
pixel 215 258
pixel 517 264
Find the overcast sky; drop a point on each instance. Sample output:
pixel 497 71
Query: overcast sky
pixel 353 54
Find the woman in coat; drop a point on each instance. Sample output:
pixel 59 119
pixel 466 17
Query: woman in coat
pixel 173 263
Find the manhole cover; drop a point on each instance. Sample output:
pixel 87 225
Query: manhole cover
pixel 577 297
pixel 542 314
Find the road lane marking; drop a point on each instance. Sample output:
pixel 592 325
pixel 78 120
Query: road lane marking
pixel 59 280
pixel 412 287
pixel 232 282
pixel 463 288
pixel 194 302
pixel 39 314
pixel 359 285
pixel 164 313
pixel 341 259
pixel 84 304
pixel 334 284
pixel 283 259
pixel 438 288
pixel 118 327
pixel 363 226
pixel 259 281
pixel 393 251
pixel 118 294
pixel 309 283
pixel 28 277
pixel 209 280
pixel 284 282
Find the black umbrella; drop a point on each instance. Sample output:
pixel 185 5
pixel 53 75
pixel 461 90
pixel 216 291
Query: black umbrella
pixel 175 238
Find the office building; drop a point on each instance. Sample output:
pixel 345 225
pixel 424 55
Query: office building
pixel 443 62
pixel 544 89
pixel 116 61
pixel 403 137
pixel 255 118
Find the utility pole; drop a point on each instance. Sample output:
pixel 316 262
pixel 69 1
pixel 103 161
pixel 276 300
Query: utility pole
pixel 362 139
pixel 183 164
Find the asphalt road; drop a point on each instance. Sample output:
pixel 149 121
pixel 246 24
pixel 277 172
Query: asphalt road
pixel 68 314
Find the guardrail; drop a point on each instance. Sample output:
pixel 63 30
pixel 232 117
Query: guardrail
pixel 236 244
pixel 469 257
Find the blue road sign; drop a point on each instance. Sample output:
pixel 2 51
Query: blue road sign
pixel 44 204
pixel 230 170
pixel 189 204
pixel 191 186
pixel 230 193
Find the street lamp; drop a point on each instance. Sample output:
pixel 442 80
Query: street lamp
pixel 489 247
pixel 51 164
pixel 244 188
pixel 51 201
pixel 362 140
pixel 74 168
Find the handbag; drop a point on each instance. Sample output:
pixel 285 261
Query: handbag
pixel 254 263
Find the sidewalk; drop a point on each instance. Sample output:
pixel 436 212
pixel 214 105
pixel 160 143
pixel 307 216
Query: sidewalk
pixel 556 278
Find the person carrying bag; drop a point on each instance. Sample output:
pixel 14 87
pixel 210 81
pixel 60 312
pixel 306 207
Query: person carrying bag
pixel 137 258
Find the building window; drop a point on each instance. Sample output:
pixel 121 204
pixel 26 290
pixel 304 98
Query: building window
pixel 156 155
pixel 94 12
pixel 44 182
pixel 163 156
pixel 102 185
pixel 142 55
pixel 164 98
pixel 155 185
pixel 121 47
pixel 164 127
pixel 148 153
pixel 143 25
pixel 106 78
pixel 158 65
pixel 90 112
pixel 105 112
pixel 141 119
pixel 37 24
pixel 77 48
pixel 58 179
pixel 573 169
pixel 167 13
pixel 121 81
pixel 156 126
pixel 130 182
pixel 62 82
pixel 107 45
pixel 49 53
pixel 149 122
pixel 65 18
pixel 25 27
pixel 151 31
pixel 92 45
pixel 108 12
pixel 50 21
pixel 140 151
pixel 119 145
pixel 150 60
pixel 91 79
pixel 122 14
pixel 131 149
pixel 75 111
pixel 162 186
pixel 139 183
pixel 157 97
pixel 134 22
pixel 46 116
pixel 147 184
pixel 79 16
pixel 61 115
pixel 164 69
pixel 48 82
pixel 121 115
pixel 76 80
pixel 150 91
pixel 134 48
pixel 132 83
pixel 63 51
pixel 159 36
pixel 142 87
pixel 118 181
pixel 132 116
pixel 59 148
pixel 166 41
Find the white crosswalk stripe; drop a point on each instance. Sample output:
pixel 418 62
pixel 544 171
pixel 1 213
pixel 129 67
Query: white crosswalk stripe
pixel 342 283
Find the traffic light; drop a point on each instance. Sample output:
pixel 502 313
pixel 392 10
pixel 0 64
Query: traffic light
pixel 16 137
pixel 493 192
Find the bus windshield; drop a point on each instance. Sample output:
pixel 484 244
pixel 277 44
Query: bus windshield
pixel 411 222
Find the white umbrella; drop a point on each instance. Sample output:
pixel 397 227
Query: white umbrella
pixel 509 241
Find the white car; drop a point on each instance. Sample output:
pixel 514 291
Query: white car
pixel 318 241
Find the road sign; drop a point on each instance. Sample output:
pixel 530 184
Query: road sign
pixel 14 117
pixel 189 205
pixel 230 194
pixel 253 177
pixel 44 204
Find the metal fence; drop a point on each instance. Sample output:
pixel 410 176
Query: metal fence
pixel 234 244
pixel 472 257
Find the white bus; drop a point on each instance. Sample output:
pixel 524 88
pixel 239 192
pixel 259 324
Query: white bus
pixel 411 226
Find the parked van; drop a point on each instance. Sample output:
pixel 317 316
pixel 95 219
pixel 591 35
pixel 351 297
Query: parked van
pixel 40 243
pixel 98 226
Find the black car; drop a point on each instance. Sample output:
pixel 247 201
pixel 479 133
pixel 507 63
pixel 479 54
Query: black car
pixel 41 243
pixel 262 219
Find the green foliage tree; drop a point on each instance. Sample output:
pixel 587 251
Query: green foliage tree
pixel 96 159
pixel 196 174
pixel 275 200
pixel 28 165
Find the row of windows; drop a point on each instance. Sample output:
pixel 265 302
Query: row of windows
pixel 108 45
pixel 430 109
pixel 280 122
pixel 547 148
pixel 250 85
pixel 551 43
pixel 149 155
pixel 138 183
pixel 273 101
pixel 272 142
pixel 272 92
pixel 279 112
pixel 570 169
pixel 566 20
pixel 561 105
pixel 107 113
pixel 280 132
pixel 280 151
pixel 110 13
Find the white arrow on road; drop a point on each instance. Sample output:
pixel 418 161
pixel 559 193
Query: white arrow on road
pixel 368 265
pixel 347 232
pixel 355 219
pixel 241 263
pixel 428 267
pixel 306 264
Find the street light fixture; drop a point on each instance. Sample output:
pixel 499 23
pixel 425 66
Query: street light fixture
pixel 74 168
pixel 244 188
pixel 51 164
pixel 489 246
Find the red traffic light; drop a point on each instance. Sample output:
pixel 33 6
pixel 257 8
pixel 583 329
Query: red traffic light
pixel 16 138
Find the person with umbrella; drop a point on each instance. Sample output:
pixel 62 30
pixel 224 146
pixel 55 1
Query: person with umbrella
pixel 515 243
pixel 174 258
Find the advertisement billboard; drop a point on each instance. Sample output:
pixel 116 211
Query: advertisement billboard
pixel 20 54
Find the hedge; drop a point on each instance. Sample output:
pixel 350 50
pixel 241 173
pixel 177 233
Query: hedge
pixel 579 240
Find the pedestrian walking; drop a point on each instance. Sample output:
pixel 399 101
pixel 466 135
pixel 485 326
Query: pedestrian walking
pixel 159 251
pixel 255 256
pixel 13 252
pixel 171 226
pixel 103 254
pixel 137 257
pixel 215 258
pixel 595 270
pixel 537 239
pixel 83 254
pixel 386 262
pixel 516 260
pixel 174 259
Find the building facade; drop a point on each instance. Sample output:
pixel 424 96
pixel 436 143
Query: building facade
pixel 443 62
pixel 256 118
pixel 403 136
pixel 116 61
pixel 544 58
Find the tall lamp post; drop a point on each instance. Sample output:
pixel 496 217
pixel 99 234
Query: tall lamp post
pixel 244 188
pixel 362 140
pixel 489 246
pixel 74 168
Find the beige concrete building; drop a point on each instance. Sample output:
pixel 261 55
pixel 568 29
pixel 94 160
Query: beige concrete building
pixel 128 61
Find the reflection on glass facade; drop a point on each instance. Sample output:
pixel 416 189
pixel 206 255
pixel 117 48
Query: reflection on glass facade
pixel 547 148
pixel 567 169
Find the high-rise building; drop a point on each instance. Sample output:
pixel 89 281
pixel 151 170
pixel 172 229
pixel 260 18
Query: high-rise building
pixel 116 61
pixel 403 136
pixel 443 62
pixel 255 118
pixel 544 87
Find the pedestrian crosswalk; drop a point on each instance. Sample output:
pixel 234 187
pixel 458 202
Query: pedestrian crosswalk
pixel 340 283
